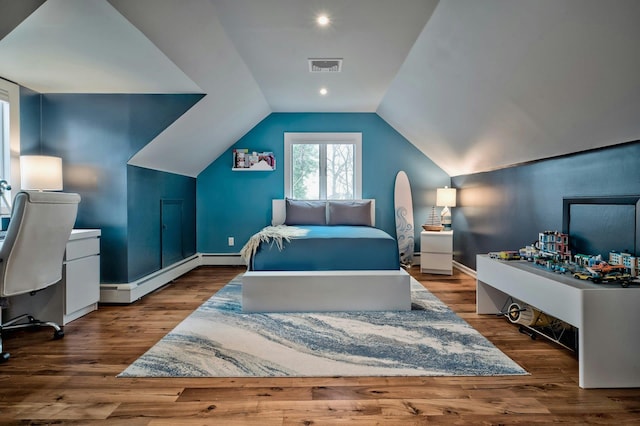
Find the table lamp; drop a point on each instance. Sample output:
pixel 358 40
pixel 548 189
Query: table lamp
pixel 446 197
pixel 41 172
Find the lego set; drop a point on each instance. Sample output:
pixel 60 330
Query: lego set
pixel 552 252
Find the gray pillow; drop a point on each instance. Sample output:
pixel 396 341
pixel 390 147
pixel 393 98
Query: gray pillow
pixel 300 212
pixel 350 213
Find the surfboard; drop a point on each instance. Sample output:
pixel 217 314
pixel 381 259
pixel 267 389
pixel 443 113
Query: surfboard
pixel 404 219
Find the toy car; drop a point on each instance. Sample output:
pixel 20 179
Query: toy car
pixel 614 277
pixel 582 276
pixel 509 255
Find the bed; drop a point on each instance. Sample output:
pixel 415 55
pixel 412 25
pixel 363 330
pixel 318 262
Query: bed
pixel 330 258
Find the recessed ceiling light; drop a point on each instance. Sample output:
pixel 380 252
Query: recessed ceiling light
pixel 323 20
pixel 324 91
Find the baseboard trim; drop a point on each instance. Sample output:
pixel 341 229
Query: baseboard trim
pixel 221 259
pixel 130 292
pixel 464 269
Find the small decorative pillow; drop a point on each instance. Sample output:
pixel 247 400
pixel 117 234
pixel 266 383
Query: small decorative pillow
pixel 299 212
pixel 350 213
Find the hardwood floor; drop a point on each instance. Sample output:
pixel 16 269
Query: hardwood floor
pixel 72 381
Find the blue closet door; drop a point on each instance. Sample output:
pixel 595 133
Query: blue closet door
pixel 171 232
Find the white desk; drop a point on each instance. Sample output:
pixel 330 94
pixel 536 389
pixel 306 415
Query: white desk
pixel 607 316
pixel 76 294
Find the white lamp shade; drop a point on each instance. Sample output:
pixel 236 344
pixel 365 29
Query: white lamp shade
pixel 446 197
pixel 41 172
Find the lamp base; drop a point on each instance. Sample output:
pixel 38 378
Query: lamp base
pixel 445 219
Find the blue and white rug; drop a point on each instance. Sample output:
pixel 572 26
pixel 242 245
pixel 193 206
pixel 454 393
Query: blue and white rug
pixel 219 340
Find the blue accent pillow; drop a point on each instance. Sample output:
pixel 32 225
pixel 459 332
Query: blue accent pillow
pixel 299 212
pixel 350 213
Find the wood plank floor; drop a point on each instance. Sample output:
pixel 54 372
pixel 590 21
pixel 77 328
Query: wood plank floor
pixel 72 381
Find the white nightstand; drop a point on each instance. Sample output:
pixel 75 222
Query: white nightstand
pixel 436 252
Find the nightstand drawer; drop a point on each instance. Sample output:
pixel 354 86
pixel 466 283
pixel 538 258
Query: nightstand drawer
pixel 440 261
pixel 436 243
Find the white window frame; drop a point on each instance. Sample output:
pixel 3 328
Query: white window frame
pixel 10 92
pixel 354 138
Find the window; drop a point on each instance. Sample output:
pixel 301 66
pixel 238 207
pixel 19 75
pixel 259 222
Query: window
pixel 323 166
pixel 4 130
pixel 9 136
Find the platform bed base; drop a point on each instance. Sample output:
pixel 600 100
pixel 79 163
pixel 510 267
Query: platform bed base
pixel 326 291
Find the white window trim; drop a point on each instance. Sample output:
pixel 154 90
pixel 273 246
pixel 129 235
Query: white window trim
pixel 354 138
pixel 12 160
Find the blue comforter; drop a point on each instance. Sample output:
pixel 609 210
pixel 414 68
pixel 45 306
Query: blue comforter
pixel 329 248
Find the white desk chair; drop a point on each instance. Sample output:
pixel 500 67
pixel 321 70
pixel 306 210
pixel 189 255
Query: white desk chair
pixel 33 250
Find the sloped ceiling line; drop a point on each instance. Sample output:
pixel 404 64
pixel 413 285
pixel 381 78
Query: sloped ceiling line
pixel 14 12
pixel 473 84
pixel 195 40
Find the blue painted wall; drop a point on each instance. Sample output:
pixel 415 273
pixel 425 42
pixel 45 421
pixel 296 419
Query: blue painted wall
pixel 505 209
pixel 146 189
pixel 96 135
pixel 29 121
pixel 239 203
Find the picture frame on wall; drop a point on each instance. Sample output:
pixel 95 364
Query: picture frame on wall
pixel 245 160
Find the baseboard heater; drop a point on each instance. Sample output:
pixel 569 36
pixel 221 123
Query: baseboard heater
pixel 221 259
pixel 130 292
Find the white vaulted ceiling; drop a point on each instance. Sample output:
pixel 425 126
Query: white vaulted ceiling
pixel 474 84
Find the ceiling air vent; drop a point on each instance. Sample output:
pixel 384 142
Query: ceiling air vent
pixel 325 65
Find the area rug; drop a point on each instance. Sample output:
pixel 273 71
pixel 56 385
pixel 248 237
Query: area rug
pixel 219 340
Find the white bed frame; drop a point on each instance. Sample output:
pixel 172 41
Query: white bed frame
pixel 324 291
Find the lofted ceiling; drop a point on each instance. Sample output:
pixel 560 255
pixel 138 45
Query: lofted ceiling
pixel 474 84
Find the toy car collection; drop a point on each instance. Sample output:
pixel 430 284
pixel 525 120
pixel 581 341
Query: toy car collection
pixel 551 252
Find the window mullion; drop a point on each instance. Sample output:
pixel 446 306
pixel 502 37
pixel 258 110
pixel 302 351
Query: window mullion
pixel 323 171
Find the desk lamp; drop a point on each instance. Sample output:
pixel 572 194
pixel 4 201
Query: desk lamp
pixel 446 197
pixel 41 172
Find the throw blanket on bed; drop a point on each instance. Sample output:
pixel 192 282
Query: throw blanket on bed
pixel 273 234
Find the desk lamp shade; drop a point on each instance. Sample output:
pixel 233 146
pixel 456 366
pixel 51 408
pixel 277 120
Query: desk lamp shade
pixel 446 197
pixel 41 172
